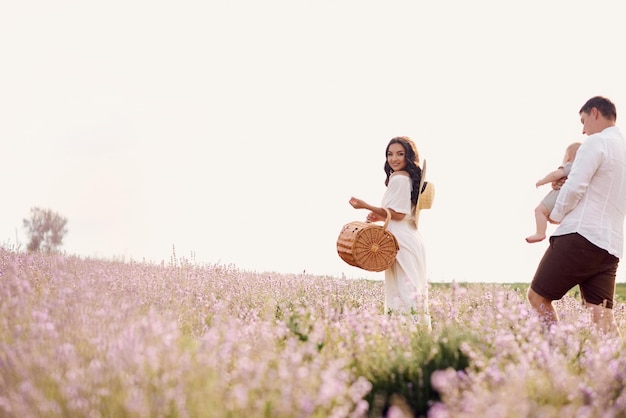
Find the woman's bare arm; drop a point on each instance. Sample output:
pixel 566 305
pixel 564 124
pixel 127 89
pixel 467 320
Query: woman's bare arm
pixel 379 213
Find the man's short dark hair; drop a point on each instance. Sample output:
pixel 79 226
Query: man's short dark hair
pixel 604 106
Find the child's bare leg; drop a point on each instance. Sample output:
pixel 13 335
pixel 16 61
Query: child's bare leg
pixel 541 220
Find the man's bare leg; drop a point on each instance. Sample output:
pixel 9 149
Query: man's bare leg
pixel 604 319
pixel 543 306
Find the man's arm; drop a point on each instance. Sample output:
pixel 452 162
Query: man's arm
pixel 588 159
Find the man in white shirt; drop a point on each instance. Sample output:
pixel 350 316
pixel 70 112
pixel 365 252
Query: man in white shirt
pixel 586 247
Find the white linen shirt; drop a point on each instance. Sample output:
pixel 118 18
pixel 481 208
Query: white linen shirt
pixel 592 202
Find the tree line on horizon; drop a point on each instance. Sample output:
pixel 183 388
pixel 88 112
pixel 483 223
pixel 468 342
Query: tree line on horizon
pixel 46 230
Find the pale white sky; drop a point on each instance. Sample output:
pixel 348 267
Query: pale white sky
pixel 238 130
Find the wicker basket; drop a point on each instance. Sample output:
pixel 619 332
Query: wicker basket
pixel 367 245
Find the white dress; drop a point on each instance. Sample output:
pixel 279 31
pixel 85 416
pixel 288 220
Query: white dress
pixel 406 284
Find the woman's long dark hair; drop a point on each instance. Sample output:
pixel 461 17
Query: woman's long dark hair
pixel 412 163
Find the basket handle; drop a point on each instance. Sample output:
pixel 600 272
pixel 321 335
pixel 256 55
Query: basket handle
pixel 387 219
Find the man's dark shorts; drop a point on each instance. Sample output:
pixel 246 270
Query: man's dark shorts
pixel 572 260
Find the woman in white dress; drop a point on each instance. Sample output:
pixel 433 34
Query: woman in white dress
pixel 406 284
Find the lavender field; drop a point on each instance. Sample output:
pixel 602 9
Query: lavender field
pixel 92 338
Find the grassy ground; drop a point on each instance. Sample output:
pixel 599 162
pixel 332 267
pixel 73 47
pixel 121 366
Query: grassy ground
pixel 620 289
pixel 87 337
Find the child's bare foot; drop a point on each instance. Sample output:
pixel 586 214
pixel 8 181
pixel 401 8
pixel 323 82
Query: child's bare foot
pixel 535 238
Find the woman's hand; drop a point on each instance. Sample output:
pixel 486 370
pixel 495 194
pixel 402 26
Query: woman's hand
pixel 357 203
pixel 374 217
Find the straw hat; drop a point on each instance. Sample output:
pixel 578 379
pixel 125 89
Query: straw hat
pixel 426 196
